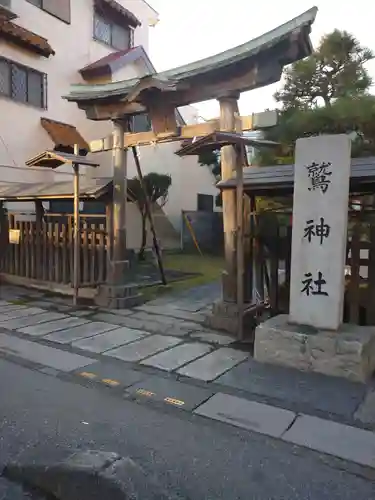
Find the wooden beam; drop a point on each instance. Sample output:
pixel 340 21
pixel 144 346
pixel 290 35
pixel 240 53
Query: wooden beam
pixel 184 133
pixel 113 111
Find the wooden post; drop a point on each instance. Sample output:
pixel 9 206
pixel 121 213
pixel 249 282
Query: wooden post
pixel 119 262
pixel 76 258
pixel 228 113
pixel 240 242
pixel 39 217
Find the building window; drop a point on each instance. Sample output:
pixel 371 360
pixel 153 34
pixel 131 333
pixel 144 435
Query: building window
pixel 205 202
pixel 57 8
pixel 141 123
pixel 118 36
pixel 23 84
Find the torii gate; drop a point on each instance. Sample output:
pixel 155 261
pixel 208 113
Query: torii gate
pixel 224 76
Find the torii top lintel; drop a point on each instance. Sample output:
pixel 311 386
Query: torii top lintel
pixel 254 64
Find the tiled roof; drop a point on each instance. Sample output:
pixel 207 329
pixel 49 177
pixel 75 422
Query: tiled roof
pixel 112 4
pixel 223 61
pixel 24 37
pixel 116 60
pixel 64 134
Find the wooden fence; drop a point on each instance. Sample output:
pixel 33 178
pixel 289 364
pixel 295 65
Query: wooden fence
pixel 359 295
pixel 45 251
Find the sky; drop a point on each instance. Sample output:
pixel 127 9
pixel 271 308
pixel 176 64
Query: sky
pixel 189 30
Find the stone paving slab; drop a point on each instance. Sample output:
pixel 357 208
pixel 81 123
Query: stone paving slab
pixel 21 312
pixel 117 312
pixel 147 317
pixel 114 319
pixel 108 370
pixel 177 356
pixel 35 319
pixel 213 365
pixel 7 306
pixel 43 304
pixel 318 391
pixel 343 441
pixel 151 325
pixel 110 340
pixel 246 414
pixel 80 332
pixel 54 326
pixel 144 348
pixel 171 311
pixel 44 355
pixel 213 337
pixel 171 392
pixel 366 411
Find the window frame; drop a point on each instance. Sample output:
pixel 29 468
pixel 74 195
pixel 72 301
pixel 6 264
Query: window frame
pixel 41 7
pixel 111 23
pixel 43 97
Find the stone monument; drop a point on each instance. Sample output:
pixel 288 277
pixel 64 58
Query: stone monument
pixel 313 337
pixel 320 219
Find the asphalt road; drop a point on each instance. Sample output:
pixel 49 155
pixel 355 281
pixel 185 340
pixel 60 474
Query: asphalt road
pixel 197 458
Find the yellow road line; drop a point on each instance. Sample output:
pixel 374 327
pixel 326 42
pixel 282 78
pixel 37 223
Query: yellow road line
pixel 88 375
pixel 143 392
pixel 109 381
pixel 176 402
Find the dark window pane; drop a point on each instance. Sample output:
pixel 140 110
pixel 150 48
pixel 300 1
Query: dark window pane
pixel 5 78
pixel 205 202
pixel 141 123
pixel 120 37
pixel 35 88
pixel 38 3
pixel 102 30
pixel 19 83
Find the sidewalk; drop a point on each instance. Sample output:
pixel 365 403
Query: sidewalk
pixel 161 353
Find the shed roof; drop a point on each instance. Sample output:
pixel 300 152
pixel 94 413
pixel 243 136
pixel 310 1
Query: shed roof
pixel 53 159
pixel 234 58
pixel 89 189
pixel 279 179
pixel 22 191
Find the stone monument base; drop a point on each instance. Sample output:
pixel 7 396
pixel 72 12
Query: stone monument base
pixel 348 352
pixel 118 296
pixel 224 316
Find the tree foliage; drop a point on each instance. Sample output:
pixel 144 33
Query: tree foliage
pixel 156 188
pixel 326 93
pixel 335 70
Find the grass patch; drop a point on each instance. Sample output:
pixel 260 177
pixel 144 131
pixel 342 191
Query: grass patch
pixel 19 302
pixel 208 267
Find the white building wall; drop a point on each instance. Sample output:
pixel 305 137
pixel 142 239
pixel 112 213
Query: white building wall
pixel 22 136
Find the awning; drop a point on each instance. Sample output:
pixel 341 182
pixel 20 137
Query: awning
pixel 93 189
pixel 53 159
pixel 64 134
pixel 103 5
pixel 25 38
pixel 217 140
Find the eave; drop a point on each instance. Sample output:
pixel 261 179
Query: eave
pixel 254 64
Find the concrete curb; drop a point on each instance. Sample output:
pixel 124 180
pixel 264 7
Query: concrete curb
pixel 87 475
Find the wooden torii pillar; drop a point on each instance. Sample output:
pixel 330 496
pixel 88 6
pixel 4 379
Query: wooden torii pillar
pixel 228 122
